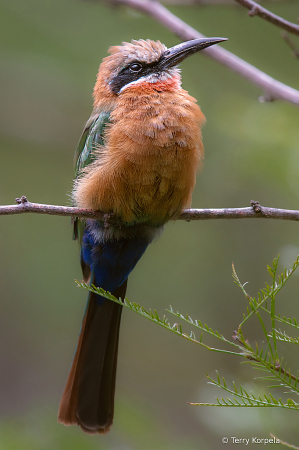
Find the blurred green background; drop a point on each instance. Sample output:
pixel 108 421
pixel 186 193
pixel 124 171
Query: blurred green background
pixel 50 53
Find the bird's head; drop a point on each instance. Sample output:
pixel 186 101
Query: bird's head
pixel 143 62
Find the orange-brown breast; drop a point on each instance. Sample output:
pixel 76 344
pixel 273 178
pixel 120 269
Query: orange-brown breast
pixel 147 169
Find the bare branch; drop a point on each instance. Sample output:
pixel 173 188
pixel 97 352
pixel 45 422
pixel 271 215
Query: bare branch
pixel 24 206
pixel 256 10
pixel 256 211
pixel 198 2
pixel 290 43
pixel 273 89
pixel 207 2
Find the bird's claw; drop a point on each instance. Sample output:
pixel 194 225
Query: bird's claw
pixel 110 219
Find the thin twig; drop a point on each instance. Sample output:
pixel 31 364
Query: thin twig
pixel 276 366
pixel 286 444
pixel 207 2
pixel 24 206
pixel 255 211
pixel 290 43
pixel 198 2
pixel 256 10
pixel 273 89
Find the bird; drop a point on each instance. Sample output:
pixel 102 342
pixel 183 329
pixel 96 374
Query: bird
pixel 137 161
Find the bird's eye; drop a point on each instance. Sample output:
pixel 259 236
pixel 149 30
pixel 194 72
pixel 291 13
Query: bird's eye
pixel 136 67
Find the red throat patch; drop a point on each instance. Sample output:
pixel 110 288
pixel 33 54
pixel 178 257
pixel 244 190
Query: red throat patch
pixel 170 84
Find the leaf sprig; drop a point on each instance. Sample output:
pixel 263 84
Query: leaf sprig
pixel 266 358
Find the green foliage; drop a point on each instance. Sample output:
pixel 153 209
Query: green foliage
pixel 246 399
pixel 265 359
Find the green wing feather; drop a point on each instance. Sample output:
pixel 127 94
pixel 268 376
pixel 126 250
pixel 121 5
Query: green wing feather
pixel 93 135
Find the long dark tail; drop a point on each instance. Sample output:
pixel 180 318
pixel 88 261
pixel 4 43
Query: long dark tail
pixel 88 397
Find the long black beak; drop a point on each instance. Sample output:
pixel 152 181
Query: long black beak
pixel 178 53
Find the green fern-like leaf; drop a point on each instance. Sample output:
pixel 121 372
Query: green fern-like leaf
pixel 247 399
pixel 282 336
pixel 154 317
pixel 264 359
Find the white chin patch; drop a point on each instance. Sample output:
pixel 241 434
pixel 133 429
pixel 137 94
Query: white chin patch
pixel 153 78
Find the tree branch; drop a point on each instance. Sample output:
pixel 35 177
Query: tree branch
pixel 273 89
pixel 290 43
pixel 256 211
pixel 198 2
pixel 256 10
pixel 207 2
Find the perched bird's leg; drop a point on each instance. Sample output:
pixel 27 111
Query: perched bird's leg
pixel 110 219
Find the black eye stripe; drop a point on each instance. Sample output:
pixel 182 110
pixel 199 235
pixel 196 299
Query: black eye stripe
pixel 128 74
